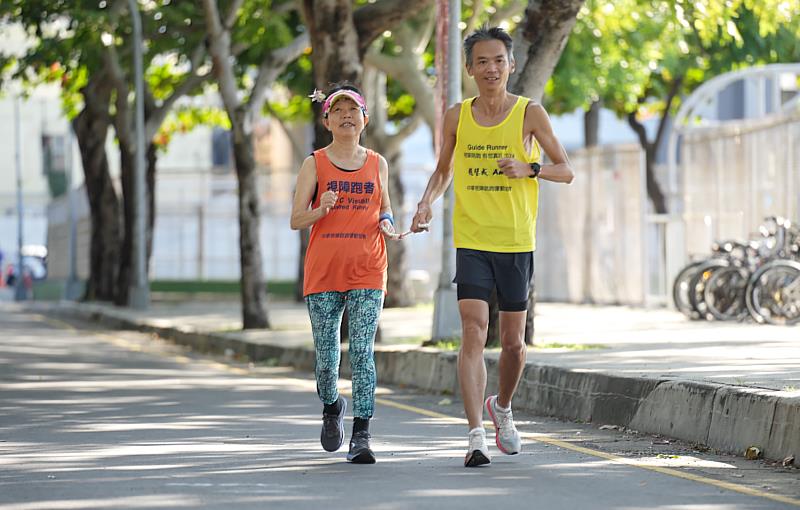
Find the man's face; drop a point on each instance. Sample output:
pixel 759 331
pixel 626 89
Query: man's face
pixel 490 65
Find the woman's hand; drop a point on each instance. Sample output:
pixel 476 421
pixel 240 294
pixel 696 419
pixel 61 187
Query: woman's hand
pixel 388 230
pixel 327 201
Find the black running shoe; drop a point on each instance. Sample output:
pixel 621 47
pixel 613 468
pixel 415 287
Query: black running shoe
pixel 360 452
pixel 332 435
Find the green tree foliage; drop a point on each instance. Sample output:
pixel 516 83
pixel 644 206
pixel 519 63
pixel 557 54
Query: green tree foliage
pixel 638 57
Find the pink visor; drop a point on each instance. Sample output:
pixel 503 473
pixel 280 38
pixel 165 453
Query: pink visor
pixel 355 96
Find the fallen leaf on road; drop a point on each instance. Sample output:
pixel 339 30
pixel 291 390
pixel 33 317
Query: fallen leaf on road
pixel 752 453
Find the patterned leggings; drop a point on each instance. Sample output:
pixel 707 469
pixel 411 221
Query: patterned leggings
pixel 363 310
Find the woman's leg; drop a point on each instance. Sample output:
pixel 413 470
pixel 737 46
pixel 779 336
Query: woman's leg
pixel 363 309
pixel 325 310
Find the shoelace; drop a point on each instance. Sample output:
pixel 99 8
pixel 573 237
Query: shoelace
pixel 505 422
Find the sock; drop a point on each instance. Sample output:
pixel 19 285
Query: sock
pixel 477 429
pixel 334 408
pixel 501 409
pixel 360 424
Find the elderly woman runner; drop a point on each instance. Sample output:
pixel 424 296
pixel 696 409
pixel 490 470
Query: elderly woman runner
pixel 342 195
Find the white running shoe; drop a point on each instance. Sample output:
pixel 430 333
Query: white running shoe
pixel 478 453
pixel 506 435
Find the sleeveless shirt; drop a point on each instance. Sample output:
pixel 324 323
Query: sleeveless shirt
pixel 346 250
pixel 492 212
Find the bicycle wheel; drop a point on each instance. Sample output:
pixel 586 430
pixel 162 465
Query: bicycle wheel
pixel 724 293
pixel 680 290
pixel 774 293
pixel 697 286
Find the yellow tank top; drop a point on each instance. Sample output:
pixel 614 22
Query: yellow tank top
pixel 493 212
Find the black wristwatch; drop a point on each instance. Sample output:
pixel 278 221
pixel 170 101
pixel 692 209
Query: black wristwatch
pixel 536 167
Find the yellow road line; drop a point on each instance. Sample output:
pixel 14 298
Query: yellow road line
pixel 542 438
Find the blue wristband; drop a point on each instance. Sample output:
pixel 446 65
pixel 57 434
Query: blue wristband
pixel 386 216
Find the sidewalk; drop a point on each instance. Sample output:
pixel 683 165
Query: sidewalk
pixel 728 386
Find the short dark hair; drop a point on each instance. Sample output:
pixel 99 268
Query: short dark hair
pixel 487 33
pixel 342 85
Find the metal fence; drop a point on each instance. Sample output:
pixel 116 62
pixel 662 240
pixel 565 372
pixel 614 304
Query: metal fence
pixel 591 235
pixel 735 175
pixel 196 233
pixel 595 240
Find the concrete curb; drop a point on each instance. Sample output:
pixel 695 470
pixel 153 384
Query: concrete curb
pixel 727 418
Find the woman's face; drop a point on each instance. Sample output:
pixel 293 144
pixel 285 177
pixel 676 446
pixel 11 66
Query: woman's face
pixel 345 118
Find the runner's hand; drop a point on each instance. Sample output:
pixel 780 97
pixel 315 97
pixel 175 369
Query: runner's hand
pixel 422 220
pixel 327 201
pixel 388 230
pixel 514 168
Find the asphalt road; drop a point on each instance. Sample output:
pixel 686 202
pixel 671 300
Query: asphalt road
pixel 96 419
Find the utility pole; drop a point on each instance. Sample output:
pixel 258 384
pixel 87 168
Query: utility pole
pixel 139 292
pixel 20 294
pixel 72 289
pixel 446 321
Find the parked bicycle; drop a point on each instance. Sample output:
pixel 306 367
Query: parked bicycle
pixel 759 279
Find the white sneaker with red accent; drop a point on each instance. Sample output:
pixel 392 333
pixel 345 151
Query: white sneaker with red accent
pixel 506 435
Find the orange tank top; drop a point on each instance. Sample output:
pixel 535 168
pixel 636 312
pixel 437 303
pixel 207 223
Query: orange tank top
pixel 346 250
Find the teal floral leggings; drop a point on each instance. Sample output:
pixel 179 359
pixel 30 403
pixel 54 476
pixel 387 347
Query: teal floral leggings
pixel 363 310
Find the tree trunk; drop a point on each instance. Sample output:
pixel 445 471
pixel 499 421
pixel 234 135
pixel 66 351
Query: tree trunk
pixel 529 324
pixel 152 160
pixel 253 288
pixel 591 125
pixel 539 41
pixel 653 189
pixel 301 266
pixel 127 169
pixel 398 291
pixel 91 129
pixel 493 335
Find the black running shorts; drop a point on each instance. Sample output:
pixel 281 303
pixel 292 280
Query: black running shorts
pixel 478 272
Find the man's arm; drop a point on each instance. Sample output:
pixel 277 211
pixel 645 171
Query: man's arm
pixel 537 123
pixel 443 173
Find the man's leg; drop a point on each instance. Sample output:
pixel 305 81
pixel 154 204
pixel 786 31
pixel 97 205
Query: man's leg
pixel 512 355
pixel 471 366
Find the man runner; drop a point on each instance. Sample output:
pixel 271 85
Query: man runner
pixel 495 138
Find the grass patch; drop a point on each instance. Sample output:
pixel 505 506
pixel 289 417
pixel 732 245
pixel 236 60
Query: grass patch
pixel 570 347
pixel 275 287
pixel 445 344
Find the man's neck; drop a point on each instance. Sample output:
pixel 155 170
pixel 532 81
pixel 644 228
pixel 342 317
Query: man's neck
pixel 492 104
